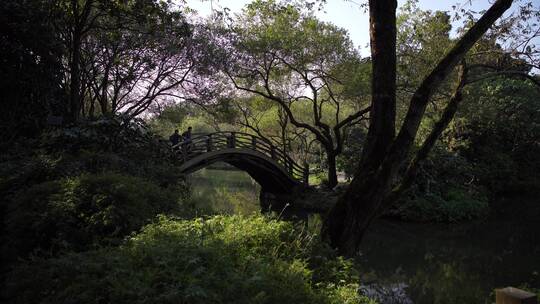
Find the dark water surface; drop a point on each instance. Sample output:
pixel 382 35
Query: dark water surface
pixel 431 263
pixel 453 263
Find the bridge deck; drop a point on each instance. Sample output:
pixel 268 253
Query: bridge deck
pixel 204 143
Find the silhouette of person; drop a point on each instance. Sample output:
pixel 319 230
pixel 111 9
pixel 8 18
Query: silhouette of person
pixel 175 138
pixel 186 136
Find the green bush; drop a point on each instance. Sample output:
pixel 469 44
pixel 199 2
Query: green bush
pixel 106 144
pixel 445 190
pixel 224 259
pixel 88 184
pixel 500 123
pixel 453 206
pixel 73 213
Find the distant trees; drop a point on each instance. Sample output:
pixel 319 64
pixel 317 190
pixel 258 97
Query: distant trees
pixel 101 57
pixel 288 57
pixel 132 53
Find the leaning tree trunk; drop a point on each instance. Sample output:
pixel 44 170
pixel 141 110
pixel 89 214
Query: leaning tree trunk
pixel 371 190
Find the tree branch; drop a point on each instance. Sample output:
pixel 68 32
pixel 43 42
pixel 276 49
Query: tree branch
pixel 409 129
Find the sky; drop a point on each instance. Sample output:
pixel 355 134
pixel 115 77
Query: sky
pixel 346 13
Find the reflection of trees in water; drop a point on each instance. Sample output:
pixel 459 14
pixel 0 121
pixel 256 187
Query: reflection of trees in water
pixel 452 264
pixel 226 192
pixel 440 282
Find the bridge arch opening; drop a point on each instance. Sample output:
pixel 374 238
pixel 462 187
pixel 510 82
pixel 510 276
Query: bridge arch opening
pixel 274 170
pixel 272 177
pixel 224 189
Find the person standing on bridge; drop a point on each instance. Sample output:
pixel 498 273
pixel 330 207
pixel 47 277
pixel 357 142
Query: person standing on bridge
pixel 175 138
pixel 186 138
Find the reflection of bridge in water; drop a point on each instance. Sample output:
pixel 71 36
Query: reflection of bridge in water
pixel 270 166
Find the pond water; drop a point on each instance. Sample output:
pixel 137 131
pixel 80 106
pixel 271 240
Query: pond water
pixel 429 263
pixel 224 191
pixel 452 263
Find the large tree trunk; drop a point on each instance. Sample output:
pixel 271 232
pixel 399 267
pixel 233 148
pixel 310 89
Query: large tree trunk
pixel 347 222
pixel 354 211
pixel 370 192
pixel 382 19
pixel 332 171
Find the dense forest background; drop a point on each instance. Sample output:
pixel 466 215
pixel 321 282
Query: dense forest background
pixel 92 89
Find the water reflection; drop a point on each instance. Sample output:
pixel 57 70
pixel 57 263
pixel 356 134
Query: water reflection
pixel 452 263
pixel 224 191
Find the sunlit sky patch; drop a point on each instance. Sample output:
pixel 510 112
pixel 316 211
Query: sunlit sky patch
pixel 349 14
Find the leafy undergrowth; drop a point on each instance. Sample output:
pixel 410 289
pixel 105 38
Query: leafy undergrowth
pixel 223 259
pixel 84 186
pixel 446 190
pixel 79 212
pixel 453 206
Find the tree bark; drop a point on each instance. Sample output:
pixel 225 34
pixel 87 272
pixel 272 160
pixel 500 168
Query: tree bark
pixel 370 190
pixel 332 171
pixel 103 99
pixel 382 17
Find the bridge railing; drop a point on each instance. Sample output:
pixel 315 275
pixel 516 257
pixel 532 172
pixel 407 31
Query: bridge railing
pixel 203 143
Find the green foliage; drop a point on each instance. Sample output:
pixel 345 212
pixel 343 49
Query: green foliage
pixel 446 190
pixel 454 206
pixel 86 185
pixel 76 213
pixel 214 117
pixel 168 119
pixel 423 39
pixel 92 147
pixel 224 192
pixel 498 128
pixel 223 259
pixel 352 150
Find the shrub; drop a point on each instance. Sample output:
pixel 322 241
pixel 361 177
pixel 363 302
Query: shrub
pixel 454 206
pixel 73 213
pixel 445 190
pixel 224 259
pixel 106 144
